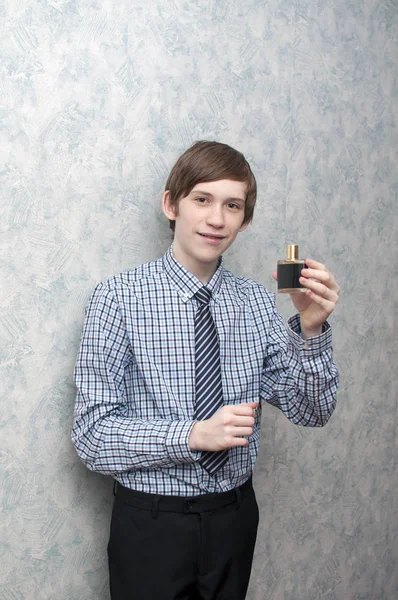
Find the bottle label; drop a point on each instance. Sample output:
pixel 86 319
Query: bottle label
pixel 289 276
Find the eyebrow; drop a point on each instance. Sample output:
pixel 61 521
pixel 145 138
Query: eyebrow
pixel 209 194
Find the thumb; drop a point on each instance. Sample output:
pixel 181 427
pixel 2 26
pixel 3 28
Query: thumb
pixel 275 275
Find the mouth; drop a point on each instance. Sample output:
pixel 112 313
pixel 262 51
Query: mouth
pixel 212 237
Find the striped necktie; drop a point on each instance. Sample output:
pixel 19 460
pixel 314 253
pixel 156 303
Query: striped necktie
pixel 209 393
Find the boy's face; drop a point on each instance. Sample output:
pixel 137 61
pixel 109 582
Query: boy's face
pixel 206 223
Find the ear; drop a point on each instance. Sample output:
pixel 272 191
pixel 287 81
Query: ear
pixel 168 207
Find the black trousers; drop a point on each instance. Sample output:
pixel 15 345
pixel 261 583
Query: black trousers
pixel 174 548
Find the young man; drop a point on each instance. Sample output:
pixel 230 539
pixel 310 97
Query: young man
pixel 174 360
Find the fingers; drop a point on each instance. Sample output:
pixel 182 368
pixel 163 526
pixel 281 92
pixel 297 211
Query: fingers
pixel 234 442
pixel 239 414
pixel 247 408
pixel 326 305
pixel 238 421
pixel 320 295
pixel 317 271
pixel 237 424
pixel 320 275
pixel 229 417
pixel 242 431
pixel 314 264
pixel 320 289
pixel 237 436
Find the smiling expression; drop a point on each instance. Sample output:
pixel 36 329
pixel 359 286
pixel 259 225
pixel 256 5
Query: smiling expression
pixel 207 221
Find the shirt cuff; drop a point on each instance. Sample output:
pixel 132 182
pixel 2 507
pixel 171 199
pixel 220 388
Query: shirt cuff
pixel 313 346
pixel 177 443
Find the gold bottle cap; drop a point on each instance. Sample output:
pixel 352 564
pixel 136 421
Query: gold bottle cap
pixel 292 252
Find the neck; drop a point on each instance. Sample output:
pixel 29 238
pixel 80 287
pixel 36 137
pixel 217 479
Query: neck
pixel 202 271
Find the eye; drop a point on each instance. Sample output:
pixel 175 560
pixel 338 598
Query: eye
pixel 233 205
pixel 201 199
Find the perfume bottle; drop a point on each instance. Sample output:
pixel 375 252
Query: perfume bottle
pixel 289 271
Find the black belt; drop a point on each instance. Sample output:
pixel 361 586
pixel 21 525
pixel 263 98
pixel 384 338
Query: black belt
pixel 181 504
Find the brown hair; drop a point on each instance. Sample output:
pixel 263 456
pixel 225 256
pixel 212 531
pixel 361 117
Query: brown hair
pixel 210 161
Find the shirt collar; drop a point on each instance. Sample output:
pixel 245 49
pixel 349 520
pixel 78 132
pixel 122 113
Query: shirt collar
pixel 185 282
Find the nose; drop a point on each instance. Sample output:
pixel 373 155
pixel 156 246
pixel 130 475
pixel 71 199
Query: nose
pixel 215 216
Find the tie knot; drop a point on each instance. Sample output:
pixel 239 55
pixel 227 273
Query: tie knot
pixel 203 295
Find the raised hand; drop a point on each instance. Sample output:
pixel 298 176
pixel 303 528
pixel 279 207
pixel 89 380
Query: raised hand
pixel 320 298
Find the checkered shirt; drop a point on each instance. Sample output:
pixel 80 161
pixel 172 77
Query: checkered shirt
pixel 135 375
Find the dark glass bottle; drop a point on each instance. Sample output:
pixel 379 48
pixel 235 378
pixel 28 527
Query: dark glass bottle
pixel 289 271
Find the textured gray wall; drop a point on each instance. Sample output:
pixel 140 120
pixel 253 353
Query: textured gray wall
pixel 97 99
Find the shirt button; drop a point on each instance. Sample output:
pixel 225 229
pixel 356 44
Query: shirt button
pixel 306 346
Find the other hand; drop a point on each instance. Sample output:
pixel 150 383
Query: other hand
pixel 230 426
